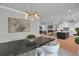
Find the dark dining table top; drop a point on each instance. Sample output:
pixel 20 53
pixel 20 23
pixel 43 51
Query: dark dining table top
pixel 38 42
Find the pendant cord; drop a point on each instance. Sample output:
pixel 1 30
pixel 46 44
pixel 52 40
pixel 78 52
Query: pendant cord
pixel 31 7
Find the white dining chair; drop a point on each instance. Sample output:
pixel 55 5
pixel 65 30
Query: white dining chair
pixel 51 49
pixel 40 52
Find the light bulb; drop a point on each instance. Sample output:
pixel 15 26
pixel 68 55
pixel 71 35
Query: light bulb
pixel 36 16
pixel 26 16
pixel 32 19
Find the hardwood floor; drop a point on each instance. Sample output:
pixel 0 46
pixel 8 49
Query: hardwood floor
pixel 69 45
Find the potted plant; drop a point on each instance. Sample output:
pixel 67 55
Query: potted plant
pixel 77 39
pixel 31 37
pixel 77 30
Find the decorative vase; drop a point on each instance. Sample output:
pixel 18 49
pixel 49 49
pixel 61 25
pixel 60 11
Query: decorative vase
pixel 31 40
pixel 31 37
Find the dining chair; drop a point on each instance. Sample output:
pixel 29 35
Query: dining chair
pixel 40 52
pixel 51 48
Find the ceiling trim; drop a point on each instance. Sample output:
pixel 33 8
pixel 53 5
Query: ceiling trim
pixel 11 9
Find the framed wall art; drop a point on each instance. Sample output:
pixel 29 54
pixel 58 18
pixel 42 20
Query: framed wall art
pixel 17 25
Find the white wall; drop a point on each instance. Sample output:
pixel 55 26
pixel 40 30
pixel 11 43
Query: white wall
pixel 5 36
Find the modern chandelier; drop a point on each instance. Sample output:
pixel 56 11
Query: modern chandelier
pixel 33 14
pixel 72 17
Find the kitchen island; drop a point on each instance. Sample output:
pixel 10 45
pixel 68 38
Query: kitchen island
pixel 20 46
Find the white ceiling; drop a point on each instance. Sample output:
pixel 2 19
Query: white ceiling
pixel 46 10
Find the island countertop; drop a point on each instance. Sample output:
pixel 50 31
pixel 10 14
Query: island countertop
pixel 38 42
pixel 21 46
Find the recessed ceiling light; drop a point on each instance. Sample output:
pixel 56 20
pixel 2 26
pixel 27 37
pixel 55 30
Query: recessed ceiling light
pixel 69 10
pixel 51 16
